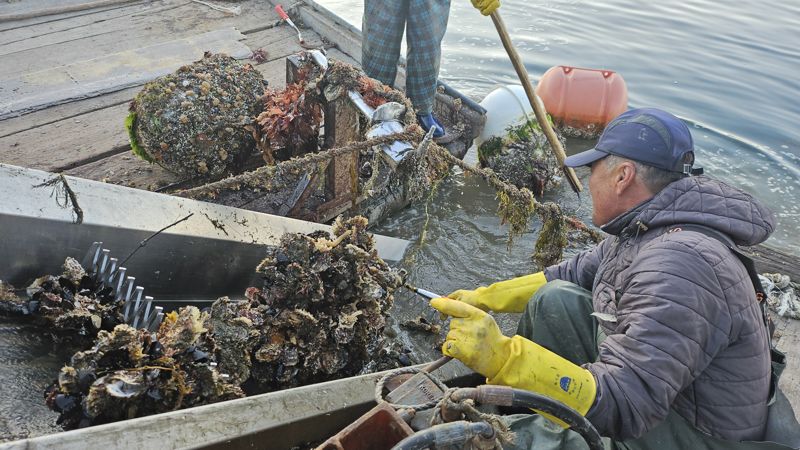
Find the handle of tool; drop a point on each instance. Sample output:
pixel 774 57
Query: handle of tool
pixel 427 294
pixel 436 364
pixel 538 109
pixel 281 12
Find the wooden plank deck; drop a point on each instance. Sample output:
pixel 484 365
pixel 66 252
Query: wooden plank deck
pixel 87 138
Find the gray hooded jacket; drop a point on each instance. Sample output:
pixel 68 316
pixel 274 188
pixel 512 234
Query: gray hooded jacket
pixel 687 331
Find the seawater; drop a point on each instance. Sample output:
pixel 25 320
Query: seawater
pixel 29 362
pixel 728 69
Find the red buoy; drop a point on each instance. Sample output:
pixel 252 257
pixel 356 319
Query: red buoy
pixel 585 100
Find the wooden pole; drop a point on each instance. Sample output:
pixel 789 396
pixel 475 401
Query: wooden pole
pixel 536 104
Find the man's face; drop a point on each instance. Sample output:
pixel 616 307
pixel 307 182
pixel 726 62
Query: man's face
pixel 604 198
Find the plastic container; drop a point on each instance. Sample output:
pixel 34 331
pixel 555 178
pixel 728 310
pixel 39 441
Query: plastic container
pixel 381 428
pixel 506 106
pixel 584 99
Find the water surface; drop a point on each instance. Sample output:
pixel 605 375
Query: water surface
pixel 728 69
pixel 29 362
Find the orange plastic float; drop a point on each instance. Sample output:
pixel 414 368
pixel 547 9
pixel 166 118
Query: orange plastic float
pixel 582 101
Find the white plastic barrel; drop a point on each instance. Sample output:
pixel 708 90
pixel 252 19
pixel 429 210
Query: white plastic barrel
pixel 506 106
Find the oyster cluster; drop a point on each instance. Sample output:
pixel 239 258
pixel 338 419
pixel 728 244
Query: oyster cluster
pixel 319 315
pixel 71 306
pixel 10 303
pixel 523 158
pixel 192 122
pixel 132 373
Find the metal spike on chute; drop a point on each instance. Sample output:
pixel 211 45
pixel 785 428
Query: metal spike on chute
pixel 137 309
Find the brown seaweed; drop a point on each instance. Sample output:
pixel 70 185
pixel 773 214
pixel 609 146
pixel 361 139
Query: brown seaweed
pixel 290 120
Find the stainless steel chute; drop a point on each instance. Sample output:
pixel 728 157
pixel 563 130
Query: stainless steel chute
pixel 211 254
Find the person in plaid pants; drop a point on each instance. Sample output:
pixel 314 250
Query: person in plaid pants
pixel 424 22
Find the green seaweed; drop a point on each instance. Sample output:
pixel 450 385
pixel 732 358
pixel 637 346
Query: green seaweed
pixel 130 124
pixel 552 237
pixel 515 207
pixel 490 148
pixel 524 132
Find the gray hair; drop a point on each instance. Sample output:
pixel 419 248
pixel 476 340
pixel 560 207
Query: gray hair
pixel 653 178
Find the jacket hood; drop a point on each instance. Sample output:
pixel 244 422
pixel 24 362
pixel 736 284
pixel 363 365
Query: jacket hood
pixel 704 201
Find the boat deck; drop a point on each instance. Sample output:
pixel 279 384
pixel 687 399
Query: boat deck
pixel 54 69
pixel 63 103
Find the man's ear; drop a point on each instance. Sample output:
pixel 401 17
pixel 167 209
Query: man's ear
pixel 624 176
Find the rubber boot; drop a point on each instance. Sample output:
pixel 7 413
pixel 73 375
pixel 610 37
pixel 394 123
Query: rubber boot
pixel 426 121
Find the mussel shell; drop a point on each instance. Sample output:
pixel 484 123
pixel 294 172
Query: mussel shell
pixel 155 349
pixel 64 403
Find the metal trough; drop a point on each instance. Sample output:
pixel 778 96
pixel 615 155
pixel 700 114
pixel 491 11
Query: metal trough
pixel 211 254
pixel 277 420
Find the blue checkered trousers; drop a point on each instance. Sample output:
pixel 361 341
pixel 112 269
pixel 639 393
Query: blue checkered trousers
pixel 425 22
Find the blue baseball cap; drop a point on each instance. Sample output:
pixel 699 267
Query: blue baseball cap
pixel 646 135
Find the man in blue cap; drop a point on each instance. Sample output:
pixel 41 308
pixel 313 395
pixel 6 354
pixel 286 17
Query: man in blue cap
pixel 656 335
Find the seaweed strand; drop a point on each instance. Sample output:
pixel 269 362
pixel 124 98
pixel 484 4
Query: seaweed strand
pixel 147 239
pixel 516 205
pixel 64 194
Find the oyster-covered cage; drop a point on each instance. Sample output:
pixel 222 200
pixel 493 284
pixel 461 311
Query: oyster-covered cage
pixel 319 315
pixel 306 151
pixel 522 157
pixel 317 159
pixel 192 122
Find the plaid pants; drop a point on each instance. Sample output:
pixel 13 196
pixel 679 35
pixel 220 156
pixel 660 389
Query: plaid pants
pixel 382 27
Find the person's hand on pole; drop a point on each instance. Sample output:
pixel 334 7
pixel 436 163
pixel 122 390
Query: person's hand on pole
pixel 475 340
pixel 486 7
pixel 504 296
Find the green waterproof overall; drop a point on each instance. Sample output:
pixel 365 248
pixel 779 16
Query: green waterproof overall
pixel 559 318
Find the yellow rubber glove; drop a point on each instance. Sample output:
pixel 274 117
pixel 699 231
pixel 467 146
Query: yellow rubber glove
pixel 475 339
pixel 486 7
pixel 504 296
